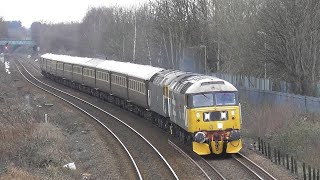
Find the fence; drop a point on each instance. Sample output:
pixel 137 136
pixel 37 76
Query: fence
pixel 259 91
pixel 300 169
pixel 302 104
pixel 260 83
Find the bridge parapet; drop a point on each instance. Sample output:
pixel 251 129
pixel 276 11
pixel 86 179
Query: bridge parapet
pixel 17 42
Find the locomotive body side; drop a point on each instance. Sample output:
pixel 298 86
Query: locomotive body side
pixel 159 89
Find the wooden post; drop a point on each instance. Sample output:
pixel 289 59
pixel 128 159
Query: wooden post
pixel 259 145
pixel 279 158
pixel 318 175
pixel 292 169
pixel 275 156
pixel 269 152
pixel 304 171
pixel 287 158
pixel 295 167
pixel 309 172
pixel 262 148
pixel 265 149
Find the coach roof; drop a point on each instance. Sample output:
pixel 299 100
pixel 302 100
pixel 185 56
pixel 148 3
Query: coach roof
pixel 135 70
pixel 66 59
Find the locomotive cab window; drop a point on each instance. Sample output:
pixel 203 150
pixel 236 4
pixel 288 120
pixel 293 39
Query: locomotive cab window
pixel 202 100
pixel 212 99
pixel 225 99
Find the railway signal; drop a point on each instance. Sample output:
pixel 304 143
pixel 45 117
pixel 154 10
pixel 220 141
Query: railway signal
pixel 6 46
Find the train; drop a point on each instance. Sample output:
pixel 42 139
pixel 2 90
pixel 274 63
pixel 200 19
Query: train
pixel 199 110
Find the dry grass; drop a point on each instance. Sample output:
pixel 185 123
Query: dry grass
pixel 264 121
pixel 17 174
pixel 292 133
pixel 28 146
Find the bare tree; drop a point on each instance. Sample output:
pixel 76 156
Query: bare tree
pixel 3 29
pixel 292 31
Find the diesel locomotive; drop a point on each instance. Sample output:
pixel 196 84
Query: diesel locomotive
pixel 200 110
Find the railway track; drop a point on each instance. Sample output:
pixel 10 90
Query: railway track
pixel 145 158
pixel 252 167
pixel 236 166
pixel 209 171
pixel 213 168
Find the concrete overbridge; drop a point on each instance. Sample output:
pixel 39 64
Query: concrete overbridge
pixel 9 45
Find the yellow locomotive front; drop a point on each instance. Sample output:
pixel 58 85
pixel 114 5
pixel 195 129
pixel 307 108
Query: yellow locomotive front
pixel 214 118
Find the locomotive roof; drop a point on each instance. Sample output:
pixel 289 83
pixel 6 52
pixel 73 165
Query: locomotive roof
pixel 135 70
pixel 197 83
pixel 165 77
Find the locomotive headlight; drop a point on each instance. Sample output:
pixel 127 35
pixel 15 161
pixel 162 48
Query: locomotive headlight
pixel 198 115
pixel 232 114
pixel 220 125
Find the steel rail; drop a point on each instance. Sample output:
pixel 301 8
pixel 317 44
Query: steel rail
pixel 194 162
pixel 255 165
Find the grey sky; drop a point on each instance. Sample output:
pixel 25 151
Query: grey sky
pixel 28 11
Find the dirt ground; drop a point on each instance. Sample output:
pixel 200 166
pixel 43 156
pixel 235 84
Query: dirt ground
pixel 32 148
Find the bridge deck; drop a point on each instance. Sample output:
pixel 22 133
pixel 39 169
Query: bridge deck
pixel 17 42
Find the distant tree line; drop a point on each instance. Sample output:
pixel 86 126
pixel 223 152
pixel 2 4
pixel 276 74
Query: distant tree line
pixel 3 29
pixel 276 38
pixel 12 30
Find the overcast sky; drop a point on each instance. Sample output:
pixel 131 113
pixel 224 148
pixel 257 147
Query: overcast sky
pixel 28 11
